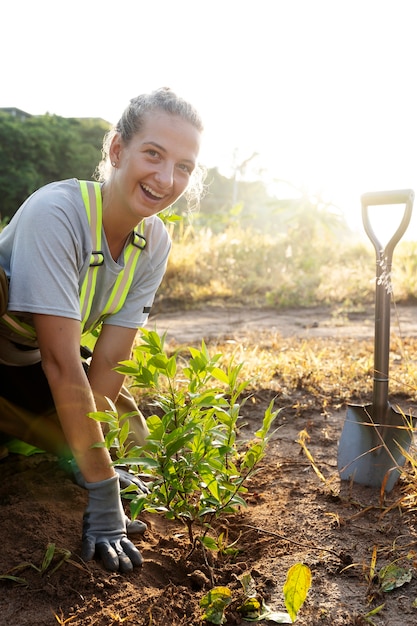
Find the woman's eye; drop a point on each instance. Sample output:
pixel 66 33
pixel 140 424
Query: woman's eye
pixel 153 153
pixel 185 168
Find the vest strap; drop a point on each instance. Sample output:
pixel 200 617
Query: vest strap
pixel 91 193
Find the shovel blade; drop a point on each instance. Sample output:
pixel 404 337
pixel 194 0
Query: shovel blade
pixel 372 455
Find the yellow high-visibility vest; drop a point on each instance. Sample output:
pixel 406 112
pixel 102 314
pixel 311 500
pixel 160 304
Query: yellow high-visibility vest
pixel 91 194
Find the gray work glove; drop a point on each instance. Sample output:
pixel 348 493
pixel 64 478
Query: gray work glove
pixel 127 479
pixel 135 527
pixel 104 528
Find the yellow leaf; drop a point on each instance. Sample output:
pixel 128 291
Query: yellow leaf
pixel 296 588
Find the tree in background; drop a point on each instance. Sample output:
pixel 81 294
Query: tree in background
pixel 36 150
pixel 39 149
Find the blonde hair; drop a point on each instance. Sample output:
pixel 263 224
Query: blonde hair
pixel 131 123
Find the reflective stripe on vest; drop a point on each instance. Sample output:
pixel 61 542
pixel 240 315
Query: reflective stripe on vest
pixel 91 194
pixel 18 327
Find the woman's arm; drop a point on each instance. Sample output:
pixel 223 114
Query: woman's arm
pixel 113 345
pixel 59 343
pixel 104 522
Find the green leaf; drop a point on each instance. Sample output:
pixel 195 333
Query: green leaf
pixel 175 446
pixel 393 576
pixel 129 368
pixel 209 543
pixel 250 609
pixel 211 484
pixel 375 611
pixel 49 555
pixel 103 416
pixel 238 501
pixel 145 462
pixel 110 438
pixel 166 217
pixel 124 433
pixel 155 427
pixel 171 367
pixel 214 604
pixel 14 579
pixel 219 374
pixel 20 447
pixel 136 506
pixel 296 588
pixel 206 510
pixel 268 419
pixel 253 455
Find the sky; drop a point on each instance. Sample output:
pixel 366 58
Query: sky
pixel 323 91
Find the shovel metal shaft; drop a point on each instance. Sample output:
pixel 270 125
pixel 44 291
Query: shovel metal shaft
pixel 374 436
pixel 383 291
pixel 381 345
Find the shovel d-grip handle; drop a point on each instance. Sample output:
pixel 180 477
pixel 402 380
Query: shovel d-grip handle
pixel 383 290
pixel 379 198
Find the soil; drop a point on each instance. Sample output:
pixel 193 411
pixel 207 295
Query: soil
pixel 292 517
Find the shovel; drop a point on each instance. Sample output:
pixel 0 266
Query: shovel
pixel 374 437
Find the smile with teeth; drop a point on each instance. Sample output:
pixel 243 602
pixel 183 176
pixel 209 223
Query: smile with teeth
pixel 151 192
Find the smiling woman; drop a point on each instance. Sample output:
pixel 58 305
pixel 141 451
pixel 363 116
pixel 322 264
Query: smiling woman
pixel 151 170
pixel 151 125
pixel 76 263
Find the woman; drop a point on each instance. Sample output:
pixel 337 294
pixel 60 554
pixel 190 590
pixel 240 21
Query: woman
pixel 149 161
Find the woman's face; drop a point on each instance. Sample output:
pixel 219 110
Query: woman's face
pixel 154 169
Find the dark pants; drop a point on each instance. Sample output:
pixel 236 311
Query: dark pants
pixel 27 409
pixel 27 387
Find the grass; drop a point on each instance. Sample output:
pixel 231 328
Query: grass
pixel 245 267
pixel 240 267
pixel 319 372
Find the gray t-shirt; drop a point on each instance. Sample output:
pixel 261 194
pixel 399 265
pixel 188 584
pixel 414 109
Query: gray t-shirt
pixel 46 250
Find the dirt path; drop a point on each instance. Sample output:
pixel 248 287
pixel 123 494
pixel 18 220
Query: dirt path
pixel 232 322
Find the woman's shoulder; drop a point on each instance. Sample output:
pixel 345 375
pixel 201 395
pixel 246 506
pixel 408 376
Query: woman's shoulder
pixel 60 189
pixel 57 206
pixel 156 226
pixel 158 240
pixel 58 197
pixel 156 234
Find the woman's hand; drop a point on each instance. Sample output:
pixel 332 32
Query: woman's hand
pixel 104 529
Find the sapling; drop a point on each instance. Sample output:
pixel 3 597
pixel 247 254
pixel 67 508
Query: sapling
pixel 198 468
pixel 61 554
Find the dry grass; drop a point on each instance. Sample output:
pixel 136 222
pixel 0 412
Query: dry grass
pixel 321 372
pixel 330 370
pixel 242 266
